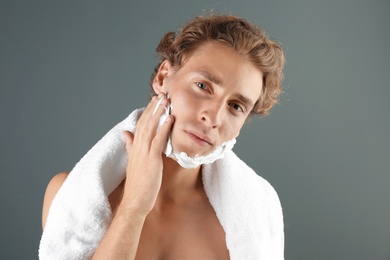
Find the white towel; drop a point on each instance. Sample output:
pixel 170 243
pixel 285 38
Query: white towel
pixel 246 205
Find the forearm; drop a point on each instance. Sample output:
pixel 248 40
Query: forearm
pixel 143 182
pixel 122 237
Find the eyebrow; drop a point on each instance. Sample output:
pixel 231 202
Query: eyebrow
pixel 247 102
pixel 218 81
pixel 210 77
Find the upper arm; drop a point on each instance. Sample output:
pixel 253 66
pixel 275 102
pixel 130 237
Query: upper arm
pixel 51 190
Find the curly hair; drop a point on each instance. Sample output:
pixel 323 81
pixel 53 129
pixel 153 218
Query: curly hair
pixel 246 38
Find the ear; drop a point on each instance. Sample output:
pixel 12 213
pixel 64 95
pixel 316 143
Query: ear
pixel 164 72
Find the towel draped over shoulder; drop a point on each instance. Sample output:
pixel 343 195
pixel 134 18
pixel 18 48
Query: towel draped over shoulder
pixel 246 205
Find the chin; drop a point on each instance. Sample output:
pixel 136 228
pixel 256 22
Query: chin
pixel 188 149
pixel 181 142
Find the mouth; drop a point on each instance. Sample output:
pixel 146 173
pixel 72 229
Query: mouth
pixel 200 139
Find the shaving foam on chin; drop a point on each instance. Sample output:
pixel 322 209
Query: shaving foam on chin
pixel 182 158
pixel 188 162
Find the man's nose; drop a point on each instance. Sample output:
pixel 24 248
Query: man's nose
pixel 212 114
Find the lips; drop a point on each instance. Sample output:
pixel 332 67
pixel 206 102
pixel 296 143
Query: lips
pixel 200 139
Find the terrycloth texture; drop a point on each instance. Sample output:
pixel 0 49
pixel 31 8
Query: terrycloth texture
pixel 246 205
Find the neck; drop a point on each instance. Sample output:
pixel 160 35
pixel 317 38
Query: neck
pixel 179 184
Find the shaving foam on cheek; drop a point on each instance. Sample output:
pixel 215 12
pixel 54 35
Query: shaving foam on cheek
pixel 182 158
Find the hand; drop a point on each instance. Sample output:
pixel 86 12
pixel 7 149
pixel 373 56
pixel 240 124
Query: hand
pixel 145 164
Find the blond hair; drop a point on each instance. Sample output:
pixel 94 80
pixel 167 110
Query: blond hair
pixel 246 38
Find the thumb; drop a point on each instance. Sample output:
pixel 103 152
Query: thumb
pixel 129 137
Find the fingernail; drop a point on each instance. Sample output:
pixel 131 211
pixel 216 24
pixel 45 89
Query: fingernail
pixel 163 102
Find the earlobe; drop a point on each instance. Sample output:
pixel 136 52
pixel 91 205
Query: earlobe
pixel 163 73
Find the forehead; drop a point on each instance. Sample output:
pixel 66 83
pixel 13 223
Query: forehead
pixel 225 67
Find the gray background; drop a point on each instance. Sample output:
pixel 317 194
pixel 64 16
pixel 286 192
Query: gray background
pixel 70 70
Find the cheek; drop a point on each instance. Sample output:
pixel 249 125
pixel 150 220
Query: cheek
pixel 231 131
pixel 182 104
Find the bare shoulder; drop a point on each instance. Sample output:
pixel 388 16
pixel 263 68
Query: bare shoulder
pixel 51 190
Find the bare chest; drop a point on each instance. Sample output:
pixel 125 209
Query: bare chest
pixel 189 233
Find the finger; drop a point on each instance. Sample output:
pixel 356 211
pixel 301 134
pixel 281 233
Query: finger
pixel 148 112
pixel 149 127
pixel 150 108
pixel 129 138
pixel 161 138
pixel 151 104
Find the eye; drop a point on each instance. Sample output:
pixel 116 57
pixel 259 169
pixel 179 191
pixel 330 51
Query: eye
pixel 201 85
pixel 236 107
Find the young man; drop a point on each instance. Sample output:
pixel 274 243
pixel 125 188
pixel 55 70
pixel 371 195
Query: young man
pixel 213 75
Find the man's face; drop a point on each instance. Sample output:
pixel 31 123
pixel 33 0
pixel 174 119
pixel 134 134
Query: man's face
pixel 211 95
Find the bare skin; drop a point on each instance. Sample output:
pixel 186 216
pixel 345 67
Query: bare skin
pixel 176 222
pixel 179 227
pixel 161 210
pixel 174 229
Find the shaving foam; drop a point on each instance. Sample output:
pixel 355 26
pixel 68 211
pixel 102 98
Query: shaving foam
pixel 182 158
